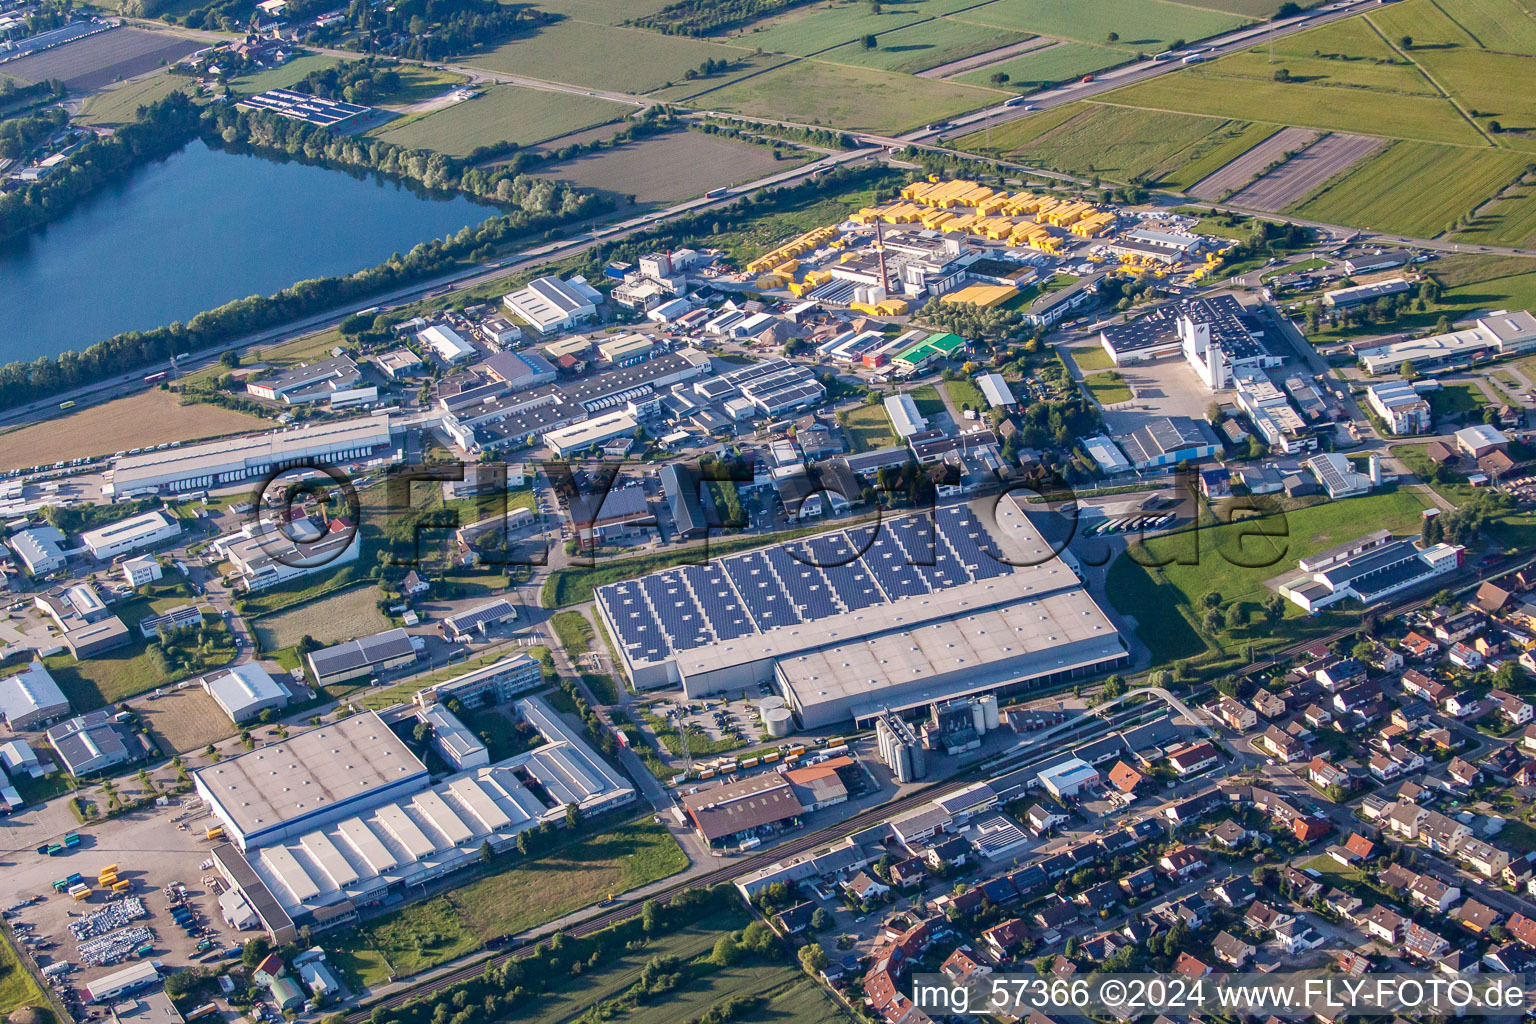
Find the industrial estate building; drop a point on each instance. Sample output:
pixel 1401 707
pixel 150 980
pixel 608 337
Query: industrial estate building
pixel 495 683
pixel 355 659
pixel 357 823
pixel 245 691
pixel 1501 333
pixel 31 698
pixel 265 553
pixel 1400 406
pixel 40 548
pixel 94 742
pixel 1373 573
pixel 928 611
pixel 130 534
pixel 308 382
pixel 1217 337
pixel 236 459
pixel 550 304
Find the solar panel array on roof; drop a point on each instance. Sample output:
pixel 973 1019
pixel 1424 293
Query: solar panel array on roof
pixel 841 571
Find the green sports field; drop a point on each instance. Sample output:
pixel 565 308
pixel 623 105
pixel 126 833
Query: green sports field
pixel 1413 188
pixel 841 96
pixel 924 45
pixel 503 112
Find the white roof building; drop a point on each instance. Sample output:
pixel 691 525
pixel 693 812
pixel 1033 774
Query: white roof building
pixel 447 343
pixel 550 304
pixel 1480 439
pixel 40 548
pixel 31 697
pixel 1068 777
pixel 18 756
pixel 141 570
pixel 996 390
pixel 130 534
pixel 245 691
pixel 578 437
pixel 904 416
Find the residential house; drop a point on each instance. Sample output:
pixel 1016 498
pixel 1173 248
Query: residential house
pixel 1322 773
pixel 1484 858
pixel 1268 704
pixel 1384 923
pixel 1229 834
pixel 1465 656
pixel 1190 966
pixel 1231 950
pixel 1512 709
pixel 1417 684
pixel 1476 917
pixel 1463 772
pixel 1417 645
pixel 1192 758
pixel 1432 893
pixel 1423 944
pixel 1316 716
pixel 1183 862
pixel 1002 939
pixel 1281 745
pixel 1235 892
pixel 1236 715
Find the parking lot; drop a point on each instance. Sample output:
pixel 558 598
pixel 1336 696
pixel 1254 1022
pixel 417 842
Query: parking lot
pixel 150 852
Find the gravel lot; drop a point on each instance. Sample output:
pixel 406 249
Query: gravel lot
pixel 1307 170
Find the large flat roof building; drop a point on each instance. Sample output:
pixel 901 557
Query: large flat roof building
pixel 392 845
pixel 130 534
pixel 856 620
pixel 315 777
pixel 904 416
pixel 550 304
pixel 1500 333
pixel 236 459
pixel 311 382
pixel 94 742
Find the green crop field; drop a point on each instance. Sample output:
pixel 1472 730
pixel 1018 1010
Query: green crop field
pixel 18 988
pixel 283 76
pixel 603 56
pixel 1235 559
pixel 1216 151
pixel 1149 25
pixel 814 28
pixel 1120 143
pixel 839 96
pixel 1059 63
pixel 1413 188
pixel 1496 85
pixel 924 45
pixel 1208 89
pixel 120 104
pixel 1508 220
pixel 1498 25
pixel 503 112
pixel 1424 20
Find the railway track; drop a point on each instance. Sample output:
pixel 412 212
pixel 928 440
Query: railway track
pixel 736 869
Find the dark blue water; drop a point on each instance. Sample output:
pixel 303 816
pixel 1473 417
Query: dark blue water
pixel 196 230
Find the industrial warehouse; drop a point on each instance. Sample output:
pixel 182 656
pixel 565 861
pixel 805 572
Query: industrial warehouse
pixel 910 612
pixel 375 828
pixel 245 458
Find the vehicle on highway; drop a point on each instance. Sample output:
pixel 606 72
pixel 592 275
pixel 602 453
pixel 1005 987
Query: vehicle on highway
pixel 1017 101
pixel 1086 78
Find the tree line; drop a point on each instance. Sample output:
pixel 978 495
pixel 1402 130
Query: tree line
pixel 703 17
pixel 425 29
pixel 534 206
pixel 20 135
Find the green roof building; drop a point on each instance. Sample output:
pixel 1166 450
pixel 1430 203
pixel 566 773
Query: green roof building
pixel 939 346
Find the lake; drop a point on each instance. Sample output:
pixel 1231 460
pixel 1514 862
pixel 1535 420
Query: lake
pixel 198 229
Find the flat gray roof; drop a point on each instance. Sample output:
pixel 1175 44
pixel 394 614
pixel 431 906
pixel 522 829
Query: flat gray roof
pixel 261 789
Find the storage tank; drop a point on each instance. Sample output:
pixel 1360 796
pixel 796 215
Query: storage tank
pixel 768 704
pixel 978 718
pixel 779 722
pixel 989 711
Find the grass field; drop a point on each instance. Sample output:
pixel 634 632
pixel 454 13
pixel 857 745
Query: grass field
pixel 964 393
pixel 606 57
pixel 924 45
pixel 17 987
pixel 1107 388
pixel 284 76
pixel 1060 63
pixel 1234 560
pixel 1481 81
pixel 419 83
pixel 149 418
pixel 1090 358
pixel 815 28
pixel 839 96
pixel 120 104
pixel 1115 142
pixel 1149 25
pixel 1507 220
pixel 344 615
pixel 525 894
pixel 929 405
pixel 573 631
pixel 666 169
pixel 502 113
pixel 185 720
pixel 1413 188
pixel 868 428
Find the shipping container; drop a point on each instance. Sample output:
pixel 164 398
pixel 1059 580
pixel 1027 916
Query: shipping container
pixel 217 832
